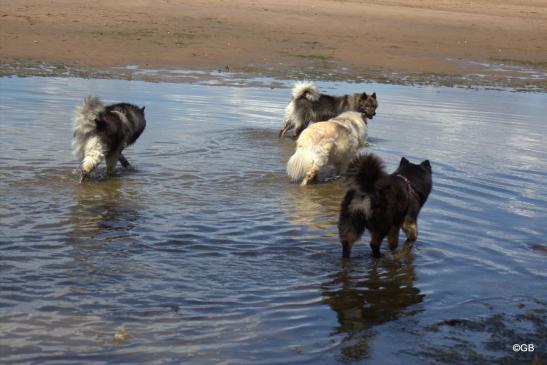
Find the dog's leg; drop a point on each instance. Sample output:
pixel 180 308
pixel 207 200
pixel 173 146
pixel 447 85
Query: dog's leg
pixel 393 237
pixel 310 175
pixel 375 242
pixel 349 231
pixel 287 126
pixel 111 161
pixel 410 228
pixel 93 157
pixel 123 160
pixel 350 225
pixel 299 130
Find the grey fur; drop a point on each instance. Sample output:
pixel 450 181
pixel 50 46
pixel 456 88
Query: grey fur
pixel 102 132
pixel 303 109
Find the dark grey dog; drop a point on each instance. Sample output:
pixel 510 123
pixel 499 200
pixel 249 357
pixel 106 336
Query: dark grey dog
pixel 102 132
pixel 309 106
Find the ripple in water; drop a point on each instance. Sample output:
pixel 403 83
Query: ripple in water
pixel 203 252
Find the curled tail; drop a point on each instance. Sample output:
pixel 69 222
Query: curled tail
pixel 305 89
pixel 300 163
pixel 364 171
pixel 85 124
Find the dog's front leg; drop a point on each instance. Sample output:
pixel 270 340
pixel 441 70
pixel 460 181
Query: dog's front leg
pixel 410 227
pixel 123 161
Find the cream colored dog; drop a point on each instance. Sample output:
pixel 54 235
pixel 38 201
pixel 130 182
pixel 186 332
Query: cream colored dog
pixel 333 142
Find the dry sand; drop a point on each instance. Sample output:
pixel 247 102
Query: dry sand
pixel 434 37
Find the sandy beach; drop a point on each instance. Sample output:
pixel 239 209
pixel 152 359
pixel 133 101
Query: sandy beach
pixel 448 38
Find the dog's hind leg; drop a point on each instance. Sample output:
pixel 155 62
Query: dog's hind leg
pixel 299 129
pixel 286 127
pixel 123 160
pixel 310 175
pixel 350 225
pixel 93 157
pixel 393 237
pixel 410 227
pixel 375 242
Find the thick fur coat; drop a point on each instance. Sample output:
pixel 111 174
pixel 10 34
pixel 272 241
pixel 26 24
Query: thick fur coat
pixel 382 203
pixel 308 105
pixel 102 132
pixel 334 142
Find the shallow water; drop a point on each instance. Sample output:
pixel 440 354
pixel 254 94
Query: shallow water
pixel 205 253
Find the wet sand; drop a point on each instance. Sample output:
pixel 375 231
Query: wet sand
pixel 347 39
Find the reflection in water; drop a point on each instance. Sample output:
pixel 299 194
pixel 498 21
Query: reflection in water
pixel 207 254
pixel 366 297
pixel 316 206
pixel 103 209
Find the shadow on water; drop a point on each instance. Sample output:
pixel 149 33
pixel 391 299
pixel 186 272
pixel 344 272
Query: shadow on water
pixel 365 297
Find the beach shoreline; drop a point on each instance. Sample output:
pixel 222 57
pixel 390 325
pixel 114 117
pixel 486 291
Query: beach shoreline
pixel 491 43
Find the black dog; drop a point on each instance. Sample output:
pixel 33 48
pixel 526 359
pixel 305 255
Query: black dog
pixel 382 203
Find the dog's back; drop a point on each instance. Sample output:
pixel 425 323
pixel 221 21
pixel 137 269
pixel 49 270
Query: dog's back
pixel 333 142
pixel 309 106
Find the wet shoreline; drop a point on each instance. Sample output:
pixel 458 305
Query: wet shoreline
pixel 496 75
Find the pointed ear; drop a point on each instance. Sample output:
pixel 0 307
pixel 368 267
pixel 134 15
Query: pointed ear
pixel 374 95
pixel 365 96
pixel 426 164
pixel 142 109
pixel 403 162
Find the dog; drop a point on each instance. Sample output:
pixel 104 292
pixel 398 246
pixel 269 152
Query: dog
pixel 382 203
pixel 102 132
pixel 309 106
pixel 333 142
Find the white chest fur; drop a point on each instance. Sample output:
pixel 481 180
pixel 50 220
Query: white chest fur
pixel 361 204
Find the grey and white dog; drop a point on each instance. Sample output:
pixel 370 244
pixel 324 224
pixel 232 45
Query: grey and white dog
pixel 308 105
pixel 102 132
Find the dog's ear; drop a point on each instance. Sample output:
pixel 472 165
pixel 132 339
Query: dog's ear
pixel 373 95
pixel 142 109
pixel 426 164
pixel 365 96
pixel 403 162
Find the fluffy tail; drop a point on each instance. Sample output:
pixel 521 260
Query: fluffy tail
pixel 305 89
pixel 85 124
pixel 300 163
pixel 364 171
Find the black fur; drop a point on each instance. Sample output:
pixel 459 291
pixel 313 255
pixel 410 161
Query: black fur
pixel 382 203
pixel 113 132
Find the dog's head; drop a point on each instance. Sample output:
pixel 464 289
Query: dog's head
pixel 419 176
pixel 405 166
pixel 368 104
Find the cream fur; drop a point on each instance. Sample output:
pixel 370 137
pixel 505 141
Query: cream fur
pixel 334 142
pixel 84 141
pixel 300 88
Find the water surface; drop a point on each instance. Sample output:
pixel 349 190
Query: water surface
pixel 206 254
